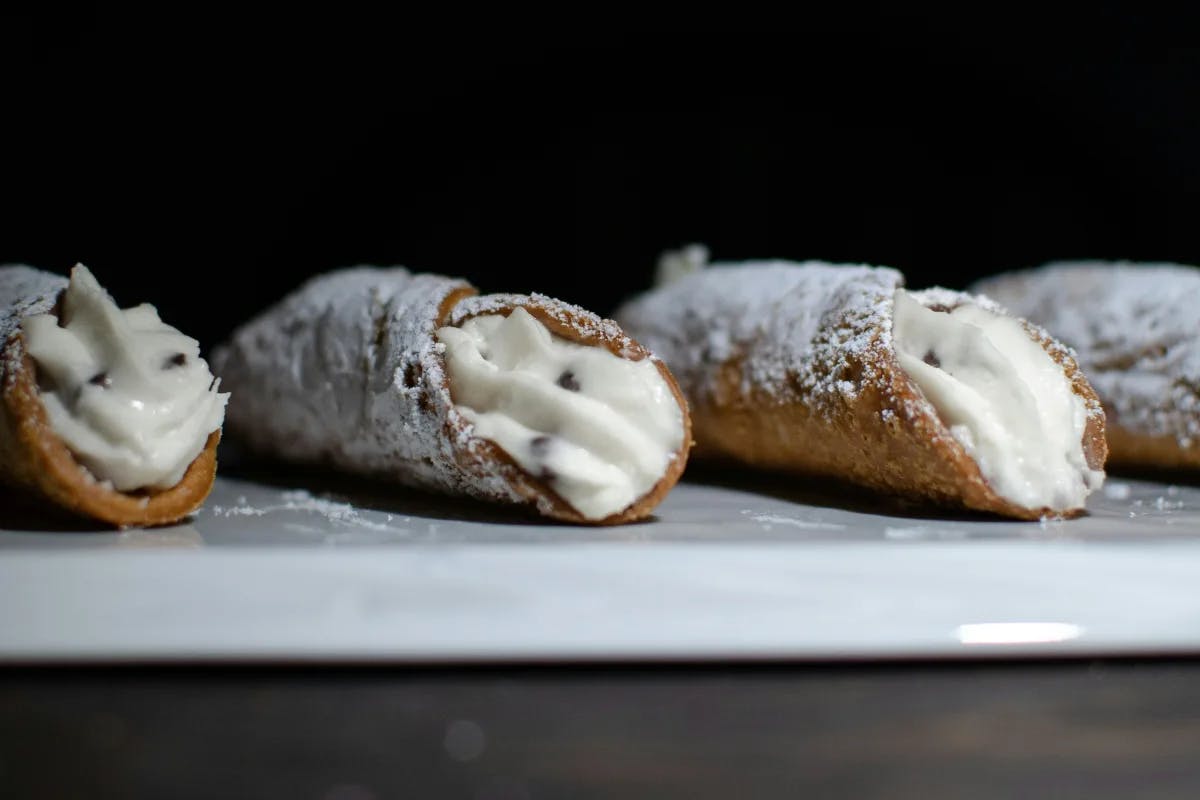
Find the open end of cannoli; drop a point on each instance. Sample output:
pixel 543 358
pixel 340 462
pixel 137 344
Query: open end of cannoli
pixel 599 429
pixel 1002 396
pixel 128 395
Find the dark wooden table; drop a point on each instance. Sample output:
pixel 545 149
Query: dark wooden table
pixel 1087 729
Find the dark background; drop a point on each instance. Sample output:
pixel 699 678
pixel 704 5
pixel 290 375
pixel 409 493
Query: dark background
pixel 209 163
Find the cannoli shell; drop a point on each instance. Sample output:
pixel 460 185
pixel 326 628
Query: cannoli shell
pixel 791 367
pixel 32 456
pixel 347 372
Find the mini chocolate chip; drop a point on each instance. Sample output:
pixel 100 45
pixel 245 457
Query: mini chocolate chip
pixel 932 360
pixel 539 445
pixel 100 379
pixel 177 360
pixel 412 374
pixel 547 474
pixel 567 381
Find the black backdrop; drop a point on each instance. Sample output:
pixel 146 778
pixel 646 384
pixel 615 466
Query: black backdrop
pixel 209 164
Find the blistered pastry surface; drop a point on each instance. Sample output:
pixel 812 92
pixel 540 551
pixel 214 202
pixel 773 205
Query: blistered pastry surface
pixel 1133 327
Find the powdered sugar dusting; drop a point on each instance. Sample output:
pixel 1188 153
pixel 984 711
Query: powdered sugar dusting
pixel 346 370
pixel 24 292
pixel 806 330
pixel 941 297
pixel 1133 327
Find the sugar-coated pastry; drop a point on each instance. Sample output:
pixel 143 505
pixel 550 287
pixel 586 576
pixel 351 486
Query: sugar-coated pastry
pixel 839 371
pixel 415 379
pixel 1136 331
pixel 107 413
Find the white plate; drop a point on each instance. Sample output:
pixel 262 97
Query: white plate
pixel 265 573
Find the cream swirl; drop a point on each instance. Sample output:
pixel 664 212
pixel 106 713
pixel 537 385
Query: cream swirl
pixel 1005 400
pixel 128 394
pixel 599 429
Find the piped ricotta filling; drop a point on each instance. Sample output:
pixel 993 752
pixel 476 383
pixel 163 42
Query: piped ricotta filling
pixel 129 395
pixel 1003 398
pixel 598 429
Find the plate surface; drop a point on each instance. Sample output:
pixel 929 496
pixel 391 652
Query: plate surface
pixel 268 572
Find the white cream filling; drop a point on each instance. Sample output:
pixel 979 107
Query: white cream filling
pixel 129 395
pixel 1004 399
pixel 599 429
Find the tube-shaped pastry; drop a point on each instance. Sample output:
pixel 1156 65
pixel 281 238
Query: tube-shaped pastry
pixel 107 413
pixel 839 371
pixel 412 378
pixel 1134 329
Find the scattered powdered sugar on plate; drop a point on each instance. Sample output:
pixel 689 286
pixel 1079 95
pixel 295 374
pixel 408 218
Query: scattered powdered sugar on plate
pixel 302 501
pixel 1163 504
pixel 922 532
pixel 777 519
pixel 1159 503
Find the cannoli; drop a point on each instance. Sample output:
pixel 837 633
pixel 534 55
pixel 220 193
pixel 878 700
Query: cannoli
pixel 104 412
pixel 838 371
pixel 1134 329
pixel 415 379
